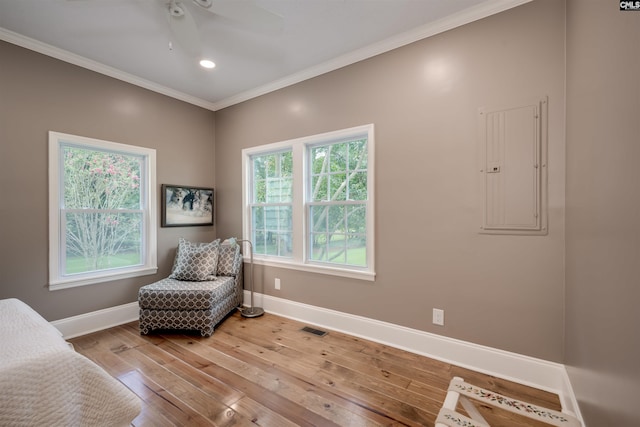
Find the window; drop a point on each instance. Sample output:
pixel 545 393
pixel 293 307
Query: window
pixel 309 203
pixel 337 203
pixel 102 210
pixel 272 197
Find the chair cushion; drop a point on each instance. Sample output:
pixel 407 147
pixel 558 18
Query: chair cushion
pixel 196 261
pixel 172 294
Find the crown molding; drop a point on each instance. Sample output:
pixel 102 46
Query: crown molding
pixel 98 67
pixel 483 10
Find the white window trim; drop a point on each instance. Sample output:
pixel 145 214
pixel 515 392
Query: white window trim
pixel 298 147
pixel 150 265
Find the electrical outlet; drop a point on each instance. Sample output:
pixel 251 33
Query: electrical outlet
pixel 438 317
pixel 277 284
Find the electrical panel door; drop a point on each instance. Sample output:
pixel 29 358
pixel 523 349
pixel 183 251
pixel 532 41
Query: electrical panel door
pixel 513 168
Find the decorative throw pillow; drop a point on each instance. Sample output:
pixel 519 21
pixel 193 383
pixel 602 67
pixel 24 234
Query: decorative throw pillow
pixel 229 251
pixel 196 262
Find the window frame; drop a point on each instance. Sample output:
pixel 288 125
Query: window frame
pixel 300 205
pixel 58 280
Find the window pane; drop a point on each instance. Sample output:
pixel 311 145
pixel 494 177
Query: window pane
pixel 284 244
pixel 338 187
pixel 284 218
pixel 259 242
pixel 271 165
pixel 336 219
pixel 271 243
pixel 99 241
pixel 319 159
pixel 260 191
pixel 338 157
pixel 277 243
pixel 286 164
pixel 319 218
pixel 318 247
pixel 257 216
pixel 273 191
pixel 338 238
pixel 272 186
pixel 357 250
pixel 319 188
pixel 272 230
pixel 100 180
pixel 358 186
pixel 338 174
pixel 285 190
pixel 357 219
pixel 336 248
pixel 259 168
pixel 272 178
pixel 271 218
pixel 358 155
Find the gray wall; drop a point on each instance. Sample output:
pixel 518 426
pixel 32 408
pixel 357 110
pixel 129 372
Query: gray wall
pixel 38 94
pixel 505 292
pixel 602 344
pixel 502 291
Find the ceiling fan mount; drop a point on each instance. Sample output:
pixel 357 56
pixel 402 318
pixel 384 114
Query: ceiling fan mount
pixel 185 30
pixel 175 9
pixel 204 3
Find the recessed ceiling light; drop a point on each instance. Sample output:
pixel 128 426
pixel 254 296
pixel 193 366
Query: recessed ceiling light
pixel 206 63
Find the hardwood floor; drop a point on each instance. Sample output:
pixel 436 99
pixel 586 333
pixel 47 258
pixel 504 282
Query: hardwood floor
pixel 266 371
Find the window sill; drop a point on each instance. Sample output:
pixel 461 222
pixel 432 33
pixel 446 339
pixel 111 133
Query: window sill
pixel 72 282
pixel 315 268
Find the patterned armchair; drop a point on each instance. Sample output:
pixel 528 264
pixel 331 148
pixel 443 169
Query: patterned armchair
pixel 205 285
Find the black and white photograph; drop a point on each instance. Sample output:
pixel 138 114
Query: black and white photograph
pixel 184 206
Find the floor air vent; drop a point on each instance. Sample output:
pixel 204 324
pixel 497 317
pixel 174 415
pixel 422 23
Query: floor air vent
pixel 314 331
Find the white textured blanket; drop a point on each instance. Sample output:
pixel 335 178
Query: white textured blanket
pixel 43 382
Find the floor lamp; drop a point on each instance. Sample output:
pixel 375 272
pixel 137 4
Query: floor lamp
pixel 252 311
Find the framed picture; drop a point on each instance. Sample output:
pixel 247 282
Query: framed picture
pixel 185 206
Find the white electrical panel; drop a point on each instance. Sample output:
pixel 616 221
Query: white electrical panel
pixel 513 168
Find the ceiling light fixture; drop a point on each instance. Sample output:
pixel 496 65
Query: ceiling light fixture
pixel 206 63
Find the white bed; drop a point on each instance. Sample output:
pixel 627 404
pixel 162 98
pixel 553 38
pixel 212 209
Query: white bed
pixel 44 382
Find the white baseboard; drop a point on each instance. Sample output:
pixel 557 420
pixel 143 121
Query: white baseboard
pixel 87 323
pixel 538 373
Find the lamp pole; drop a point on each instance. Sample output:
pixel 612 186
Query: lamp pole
pixel 252 311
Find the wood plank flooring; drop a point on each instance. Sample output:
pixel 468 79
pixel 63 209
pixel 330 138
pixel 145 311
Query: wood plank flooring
pixel 267 372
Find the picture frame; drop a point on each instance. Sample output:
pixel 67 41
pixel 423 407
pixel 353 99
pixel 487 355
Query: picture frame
pixel 186 206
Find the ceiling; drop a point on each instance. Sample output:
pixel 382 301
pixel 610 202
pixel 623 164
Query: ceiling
pixel 132 39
